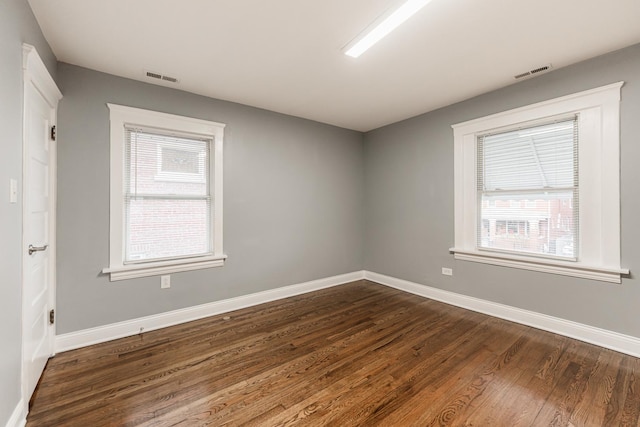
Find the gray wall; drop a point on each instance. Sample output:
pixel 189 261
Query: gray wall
pixel 17 26
pixel 409 202
pixel 293 199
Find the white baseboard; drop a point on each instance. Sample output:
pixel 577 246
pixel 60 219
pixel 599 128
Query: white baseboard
pixel 127 328
pixel 601 337
pixel 19 416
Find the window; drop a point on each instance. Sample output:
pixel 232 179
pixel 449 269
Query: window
pixel 538 187
pixel 166 193
pixel 171 217
pixel 535 168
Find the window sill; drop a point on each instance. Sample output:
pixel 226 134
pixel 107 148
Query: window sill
pixel 134 271
pixel 612 275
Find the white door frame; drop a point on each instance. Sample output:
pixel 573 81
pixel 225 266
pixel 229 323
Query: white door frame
pixel 36 74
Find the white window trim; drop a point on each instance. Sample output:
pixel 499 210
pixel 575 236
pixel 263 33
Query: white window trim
pixel 119 117
pixel 599 174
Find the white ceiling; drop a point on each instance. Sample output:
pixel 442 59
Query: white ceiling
pixel 285 55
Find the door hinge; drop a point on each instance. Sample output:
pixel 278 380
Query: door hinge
pixel 52 316
pixel 53 133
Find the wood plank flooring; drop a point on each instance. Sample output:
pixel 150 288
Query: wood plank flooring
pixel 357 354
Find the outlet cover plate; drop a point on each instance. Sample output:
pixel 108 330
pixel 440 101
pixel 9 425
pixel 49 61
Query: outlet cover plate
pixel 165 282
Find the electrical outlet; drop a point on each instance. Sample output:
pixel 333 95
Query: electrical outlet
pixel 447 271
pixel 165 282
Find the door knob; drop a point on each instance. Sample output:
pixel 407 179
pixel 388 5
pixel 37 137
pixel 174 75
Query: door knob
pixel 33 249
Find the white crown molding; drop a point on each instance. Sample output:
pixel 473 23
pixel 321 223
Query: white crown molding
pixel 127 328
pixel 601 337
pixel 19 416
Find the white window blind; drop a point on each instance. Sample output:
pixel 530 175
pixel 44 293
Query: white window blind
pixel 528 190
pixel 167 197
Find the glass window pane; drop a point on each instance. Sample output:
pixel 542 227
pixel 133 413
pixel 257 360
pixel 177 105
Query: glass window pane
pixel 161 164
pixel 541 224
pixel 166 196
pixel 166 228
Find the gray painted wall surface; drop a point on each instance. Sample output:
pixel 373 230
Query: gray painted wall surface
pixel 409 202
pixel 293 199
pixel 17 26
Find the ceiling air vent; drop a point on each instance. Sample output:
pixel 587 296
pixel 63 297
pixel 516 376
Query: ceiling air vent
pixel 539 70
pixel 159 76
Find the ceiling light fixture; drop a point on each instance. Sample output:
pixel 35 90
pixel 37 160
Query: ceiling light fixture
pixel 390 23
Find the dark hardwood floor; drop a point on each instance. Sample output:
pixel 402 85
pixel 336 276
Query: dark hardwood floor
pixel 357 354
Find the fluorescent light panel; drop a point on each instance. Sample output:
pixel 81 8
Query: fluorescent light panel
pixel 404 12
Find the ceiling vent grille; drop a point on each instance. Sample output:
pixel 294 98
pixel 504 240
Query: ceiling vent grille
pixel 530 73
pixel 159 76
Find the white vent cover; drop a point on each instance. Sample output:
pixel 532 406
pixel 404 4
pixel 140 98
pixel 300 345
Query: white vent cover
pixel 539 70
pixel 158 76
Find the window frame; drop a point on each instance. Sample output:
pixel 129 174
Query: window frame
pixel 598 112
pixel 121 116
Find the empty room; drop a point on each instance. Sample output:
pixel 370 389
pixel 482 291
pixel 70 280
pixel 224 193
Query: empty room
pixel 295 212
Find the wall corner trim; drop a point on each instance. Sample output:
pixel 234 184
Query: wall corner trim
pixel 131 327
pixel 608 339
pixel 19 416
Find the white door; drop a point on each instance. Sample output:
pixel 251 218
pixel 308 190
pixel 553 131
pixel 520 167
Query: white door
pixel 38 181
